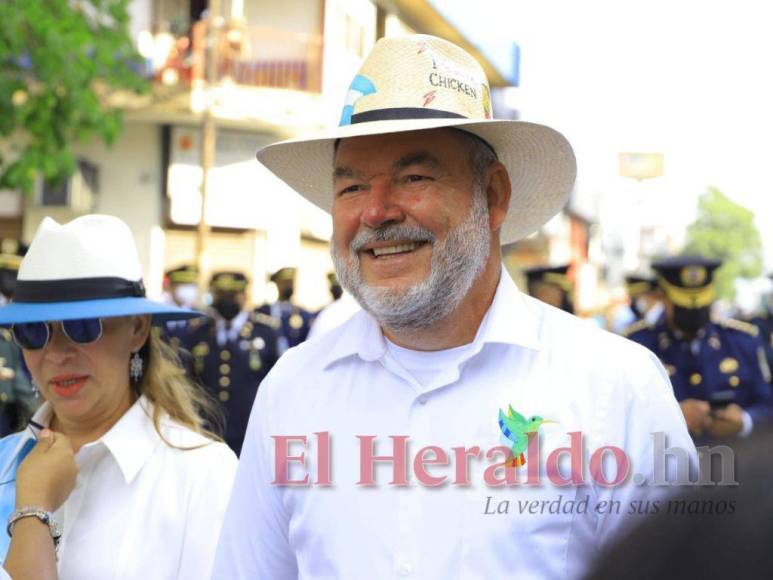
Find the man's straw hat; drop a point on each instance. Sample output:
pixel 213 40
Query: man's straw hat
pixel 415 82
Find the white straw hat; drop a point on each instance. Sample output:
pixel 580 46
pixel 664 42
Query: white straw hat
pixel 416 82
pixel 87 268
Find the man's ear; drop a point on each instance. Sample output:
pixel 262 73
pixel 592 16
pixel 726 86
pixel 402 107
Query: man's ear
pixel 140 331
pixel 498 190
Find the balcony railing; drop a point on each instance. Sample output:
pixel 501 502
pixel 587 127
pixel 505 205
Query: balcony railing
pixel 246 55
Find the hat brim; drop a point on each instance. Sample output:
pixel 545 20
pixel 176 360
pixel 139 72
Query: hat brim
pixel 539 159
pixel 20 312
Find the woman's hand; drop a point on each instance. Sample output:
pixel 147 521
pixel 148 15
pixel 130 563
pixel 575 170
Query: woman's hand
pixel 47 475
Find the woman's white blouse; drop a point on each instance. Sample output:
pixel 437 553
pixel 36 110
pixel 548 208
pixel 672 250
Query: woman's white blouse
pixel 141 509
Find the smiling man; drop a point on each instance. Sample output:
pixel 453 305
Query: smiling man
pixel 412 234
pixel 379 450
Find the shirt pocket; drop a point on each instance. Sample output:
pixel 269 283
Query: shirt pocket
pixel 521 531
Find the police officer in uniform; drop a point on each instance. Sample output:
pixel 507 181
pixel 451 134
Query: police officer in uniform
pixel 294 321
pixel 717 369
pixel 232 351
pixel 333 284
pixel 551 285
pixel 764 323
pixel 182 287
pixel 182 284
pixel 11 253
pixel 643 295
pixel 17 396
pixel 18 399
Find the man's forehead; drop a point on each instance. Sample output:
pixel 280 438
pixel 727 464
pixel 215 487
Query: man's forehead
pixel 399 149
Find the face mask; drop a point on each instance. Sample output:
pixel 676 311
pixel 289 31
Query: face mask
pixel 639 307
pixel 691 320
pixel 285 293
pixel 186 295
pixel 227 307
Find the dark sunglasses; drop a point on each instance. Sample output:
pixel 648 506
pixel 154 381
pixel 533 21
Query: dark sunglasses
pixel 35 335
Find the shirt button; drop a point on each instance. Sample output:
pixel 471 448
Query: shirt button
pixel 405 568
pixel 422 400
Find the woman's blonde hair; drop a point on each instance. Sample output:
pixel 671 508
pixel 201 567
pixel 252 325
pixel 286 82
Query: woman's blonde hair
pixel 165 384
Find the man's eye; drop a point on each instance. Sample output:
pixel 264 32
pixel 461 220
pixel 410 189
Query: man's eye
pixel 350 189
pixel 415 178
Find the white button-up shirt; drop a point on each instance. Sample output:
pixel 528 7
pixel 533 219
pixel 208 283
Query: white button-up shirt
pixel 536 358
pixel 141 509
pixel 334 314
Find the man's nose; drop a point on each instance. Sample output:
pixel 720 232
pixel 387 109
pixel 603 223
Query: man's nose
pixel 381 206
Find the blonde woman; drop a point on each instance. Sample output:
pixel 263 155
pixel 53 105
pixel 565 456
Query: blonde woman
pixel 152 484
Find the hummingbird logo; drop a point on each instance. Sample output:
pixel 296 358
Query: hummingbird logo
pixel 516 428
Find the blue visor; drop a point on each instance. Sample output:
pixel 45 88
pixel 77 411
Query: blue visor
pixel 18 312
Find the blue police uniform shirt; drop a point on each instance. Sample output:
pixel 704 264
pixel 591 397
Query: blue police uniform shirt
pixel 174 330
pixel 17 396
pixel 294 321
pixel 230 364
pixel 724 364
pixel 764 324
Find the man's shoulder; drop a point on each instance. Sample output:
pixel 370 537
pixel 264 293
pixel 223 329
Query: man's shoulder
pixel 738 328
pixel 559 324
pixel 571 334
pixel 315 354
pixel 640 328
pixel 196 327
pixel 260 316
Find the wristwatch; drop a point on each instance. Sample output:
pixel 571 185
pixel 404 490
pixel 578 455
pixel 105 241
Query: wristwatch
pixel 35 512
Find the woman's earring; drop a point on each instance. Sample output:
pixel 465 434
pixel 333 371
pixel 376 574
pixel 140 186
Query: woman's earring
pixel 135 367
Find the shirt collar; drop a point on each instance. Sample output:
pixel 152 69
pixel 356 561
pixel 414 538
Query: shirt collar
pixel 510 319
pixel 130 441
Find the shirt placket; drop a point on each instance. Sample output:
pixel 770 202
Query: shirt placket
pixel 410 499
pixel 71 509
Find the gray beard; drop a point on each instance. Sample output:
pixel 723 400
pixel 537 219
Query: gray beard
pixel 456 264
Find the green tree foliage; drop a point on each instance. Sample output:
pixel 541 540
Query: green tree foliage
pixel 726 230
pixel 59 60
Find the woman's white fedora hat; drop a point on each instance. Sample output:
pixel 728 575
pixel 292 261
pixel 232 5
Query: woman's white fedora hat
pixel 87 268
pixel 416 82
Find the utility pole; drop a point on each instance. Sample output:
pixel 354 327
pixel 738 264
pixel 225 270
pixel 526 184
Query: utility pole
pixel 209 130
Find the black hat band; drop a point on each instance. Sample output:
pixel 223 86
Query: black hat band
pixel 72 290
pixel 412 113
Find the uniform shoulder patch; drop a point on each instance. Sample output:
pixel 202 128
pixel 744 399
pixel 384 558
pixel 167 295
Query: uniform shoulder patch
pixel 741 326
pixel 265 319
pixel 637 326
pixel 196 322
